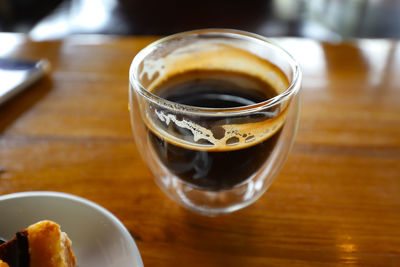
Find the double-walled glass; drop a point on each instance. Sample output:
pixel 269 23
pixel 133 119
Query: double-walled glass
pixel 210 159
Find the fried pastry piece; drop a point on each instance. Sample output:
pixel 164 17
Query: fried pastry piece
pixel 40 245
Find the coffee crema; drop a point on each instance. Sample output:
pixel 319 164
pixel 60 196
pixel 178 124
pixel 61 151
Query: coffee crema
pixel 214 151
pixel 227 151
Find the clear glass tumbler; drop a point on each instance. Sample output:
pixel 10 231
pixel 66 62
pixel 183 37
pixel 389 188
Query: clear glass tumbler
pixel 210 147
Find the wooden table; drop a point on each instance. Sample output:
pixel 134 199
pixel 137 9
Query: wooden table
pixel 336 201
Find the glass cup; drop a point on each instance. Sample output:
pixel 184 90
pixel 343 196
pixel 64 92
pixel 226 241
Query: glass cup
pixel 209 158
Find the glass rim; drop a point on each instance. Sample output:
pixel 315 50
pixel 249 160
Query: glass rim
pixel 293 87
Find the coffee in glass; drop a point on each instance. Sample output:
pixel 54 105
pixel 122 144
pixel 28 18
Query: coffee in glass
pixel 214 113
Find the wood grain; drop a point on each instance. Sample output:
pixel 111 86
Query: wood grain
pixel 336 201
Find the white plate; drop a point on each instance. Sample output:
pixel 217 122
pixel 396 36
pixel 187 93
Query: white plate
pixel 98 237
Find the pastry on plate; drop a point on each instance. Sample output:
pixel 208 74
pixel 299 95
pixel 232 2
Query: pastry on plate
pixel 39 245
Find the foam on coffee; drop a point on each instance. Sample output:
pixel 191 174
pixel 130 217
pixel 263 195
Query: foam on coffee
pixel 211 57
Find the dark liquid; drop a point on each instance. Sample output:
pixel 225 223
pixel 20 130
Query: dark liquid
pixel 214 170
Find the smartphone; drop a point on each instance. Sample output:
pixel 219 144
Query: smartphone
pixel 17 75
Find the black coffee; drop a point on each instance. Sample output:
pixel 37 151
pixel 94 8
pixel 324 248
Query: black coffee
pixel 221 168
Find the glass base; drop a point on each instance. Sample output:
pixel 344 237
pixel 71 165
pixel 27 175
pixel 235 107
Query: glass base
pixel 212 203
